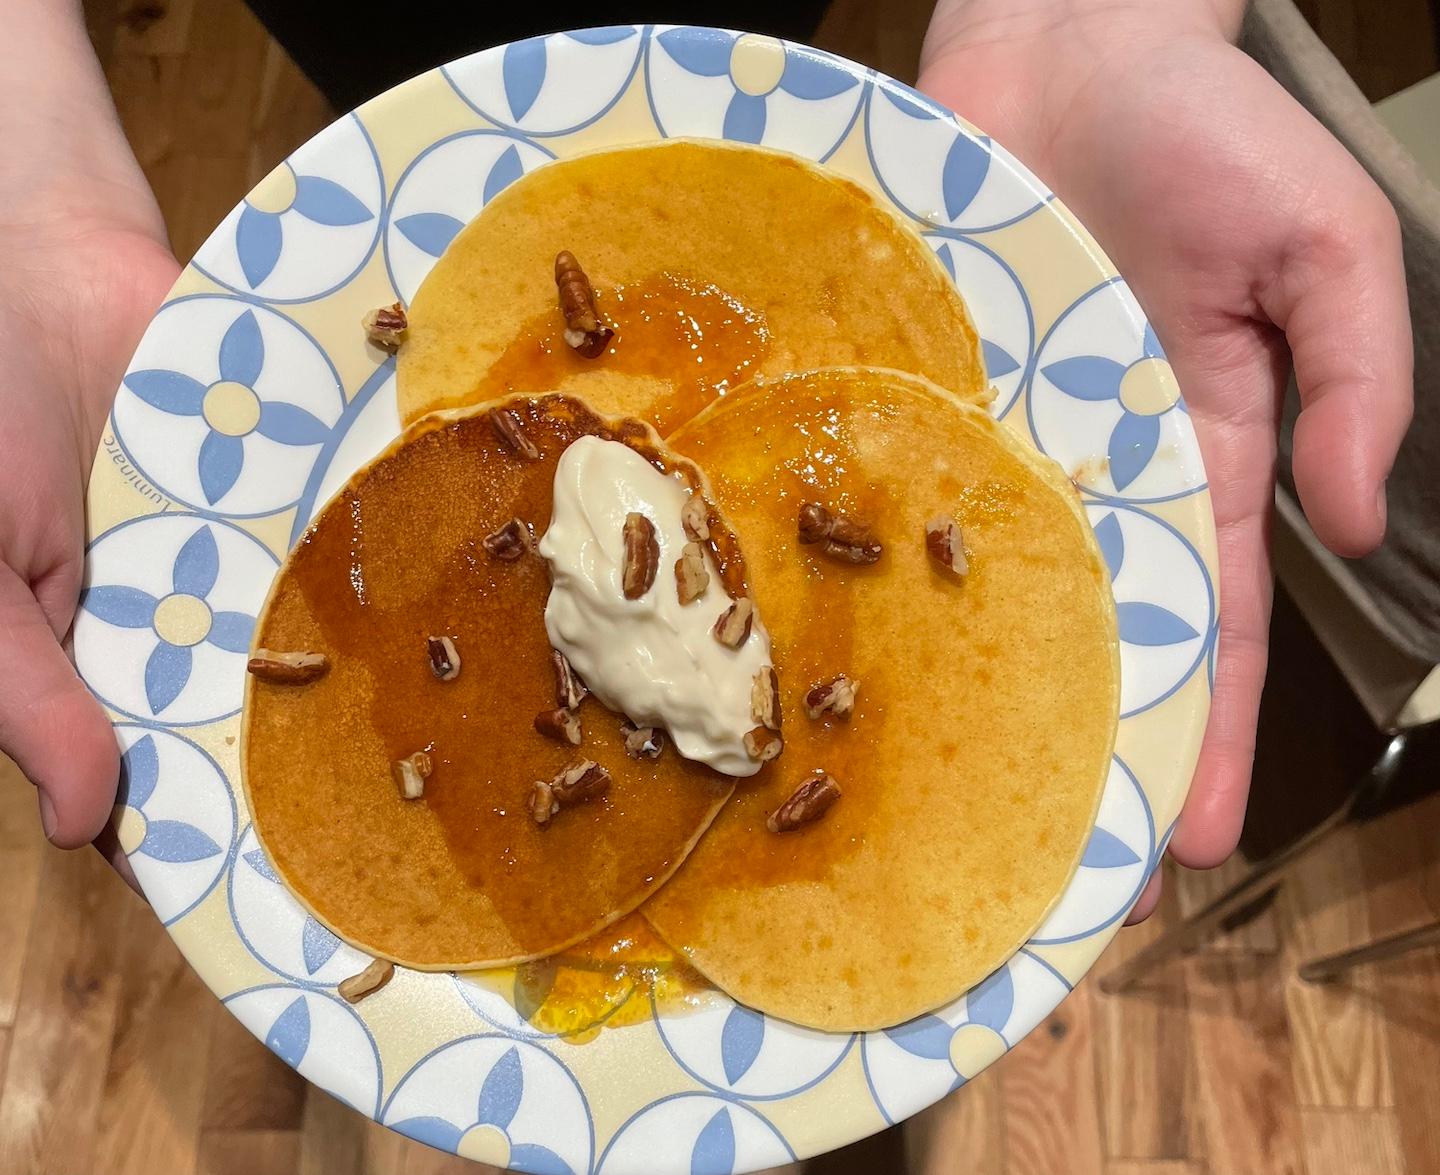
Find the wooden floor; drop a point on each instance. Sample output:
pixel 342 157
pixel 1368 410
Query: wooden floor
pixel 114 1060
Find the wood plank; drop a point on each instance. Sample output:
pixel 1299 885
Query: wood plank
pixel 1348 1142
pixel 22 846
pixel 65 1018
pixel 157 29
pixel 1154 1167
pixel 248 1152
pixel 1341 1059
pixel 1143 1058
pixel 1242 1051
pixel 332 1136
pixel 1196 888
pixel 288 111
pixel 969 1122
pixel 155 1082
pixel 1052 1120
pixel 249 1088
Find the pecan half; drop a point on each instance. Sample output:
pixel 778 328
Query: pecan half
pixel 642 742
pixel 507 426
pixel 386 327
pixel 732 628
pixel 561 725
pixel 287 668
pixel 410 774
pixel 642 556
pixel 583 329
pixel 368 982
pixel 946 543
pixel 836 696
pixel 570 691
pixel 577 783
pixel 765 698
pixel 691 578
pixel 512 541
pixel 841 538
pixel 807 803
pixel 695 518
pixel 762 744
pixel 444 658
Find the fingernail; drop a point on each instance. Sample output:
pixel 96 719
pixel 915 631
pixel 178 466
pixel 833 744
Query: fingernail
pixel 1382 507
pixel 47 814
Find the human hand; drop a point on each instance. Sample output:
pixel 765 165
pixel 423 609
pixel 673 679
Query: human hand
pixel 83 264
pixel 1244 228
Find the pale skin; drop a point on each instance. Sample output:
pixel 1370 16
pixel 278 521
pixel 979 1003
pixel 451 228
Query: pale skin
pixel 1248 234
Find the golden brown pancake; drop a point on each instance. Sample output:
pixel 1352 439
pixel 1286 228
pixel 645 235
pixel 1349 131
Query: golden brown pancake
pixel 461 877
pixel 973 764
pixel 714 262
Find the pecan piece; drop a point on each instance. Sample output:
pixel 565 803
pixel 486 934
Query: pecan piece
pixel 561 725
pixel 444 658
pixel 807 803
pixel 946 543
pixel 762 744
pixel 577 783
pixel 732 628
pixel 836 696
pixel 691 578
pixel 642 556
pixel 695 518
pixel 287 668
pixel 841 538
pixel 642 742
pixel 368 982
pixel 583 329
pixel 507 426
pixel 570 691
pixel 410 774
pixel 512 541
pixel 386 327
pixel 765 698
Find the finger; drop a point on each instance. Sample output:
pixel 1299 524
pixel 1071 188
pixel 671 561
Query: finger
pixel 50 724
pixel 1148 900
pixel 1340 297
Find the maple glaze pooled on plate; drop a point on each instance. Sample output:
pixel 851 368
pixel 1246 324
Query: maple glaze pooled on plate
pixel 712 262
pixel 463 875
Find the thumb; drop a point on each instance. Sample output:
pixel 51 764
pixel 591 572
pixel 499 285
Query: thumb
pixel 50 724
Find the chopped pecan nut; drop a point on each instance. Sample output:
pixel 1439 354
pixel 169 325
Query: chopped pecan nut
pixel 841 538
pixel 691 578
pixel 837 696
pixel 570 691
pixel 368 982
pixel 444 658
pixel 410 774
pixel 642 742
pixel 807 803
pixel 577 783
pixel 561 725
pixel 583 329
pixel 287 668
pixel 732 628
pixel 512 541
pixel 642 556
pixel 386 327
pixel 763 744
pixel 946 543
pixel 695 518
pixel 507 426
pixel 765 698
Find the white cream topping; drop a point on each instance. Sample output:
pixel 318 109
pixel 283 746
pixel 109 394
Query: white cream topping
pixel 651 659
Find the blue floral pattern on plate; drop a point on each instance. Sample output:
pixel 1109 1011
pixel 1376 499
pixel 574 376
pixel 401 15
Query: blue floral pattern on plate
pixel 308 227
pixel 175 597
pixel 750 89
pixel 504 1101
pixel 696 1132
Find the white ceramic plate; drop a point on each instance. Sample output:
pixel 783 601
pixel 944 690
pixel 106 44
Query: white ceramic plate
pixel 252 397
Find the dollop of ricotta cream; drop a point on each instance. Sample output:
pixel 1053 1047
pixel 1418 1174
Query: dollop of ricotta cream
pixel 652 659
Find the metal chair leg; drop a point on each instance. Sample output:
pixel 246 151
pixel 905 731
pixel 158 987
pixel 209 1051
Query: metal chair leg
pixel 1333 966
pixel 1267 875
